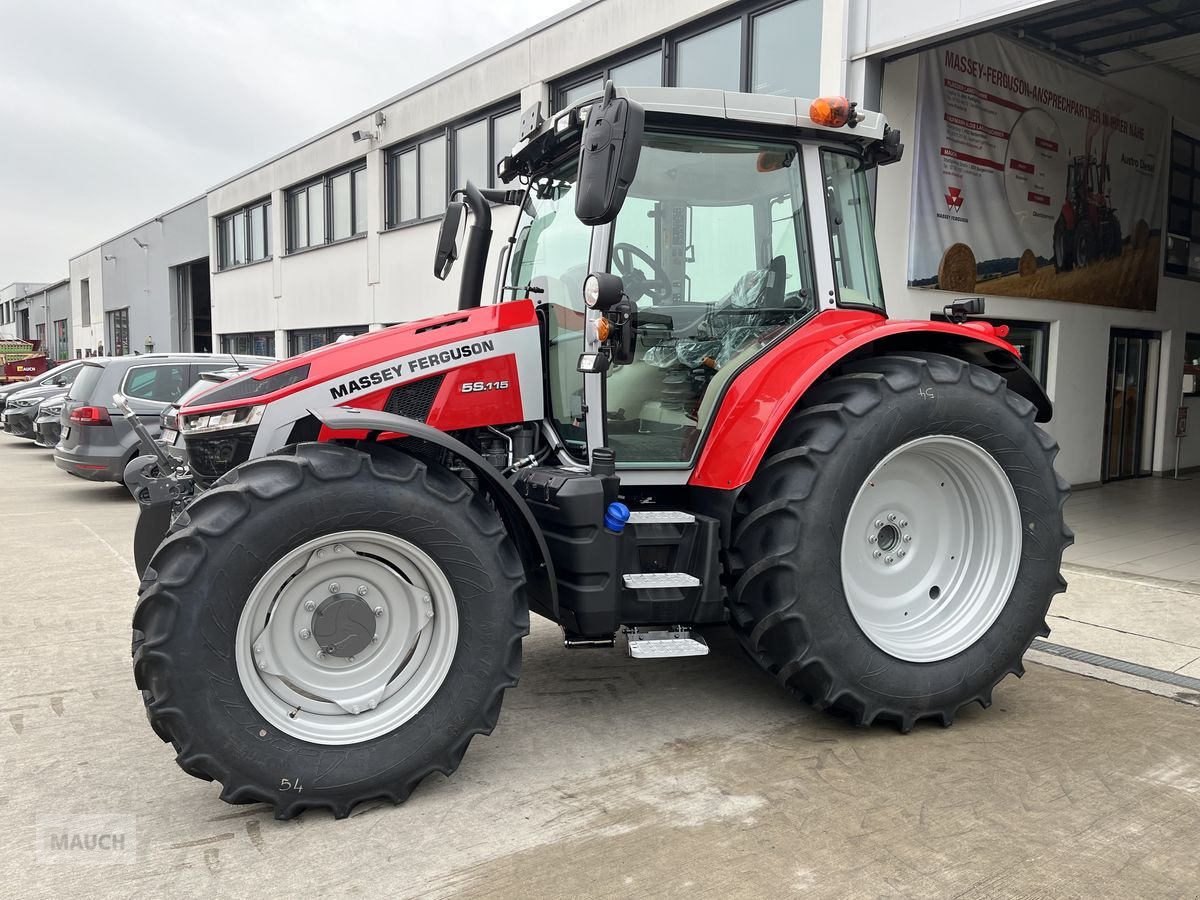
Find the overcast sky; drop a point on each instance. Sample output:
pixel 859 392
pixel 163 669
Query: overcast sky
pixel 112 112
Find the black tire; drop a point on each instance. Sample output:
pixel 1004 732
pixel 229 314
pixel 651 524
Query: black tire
pixel 788 605
pixel 1085 245
pixel 198 581
pixel 1063 246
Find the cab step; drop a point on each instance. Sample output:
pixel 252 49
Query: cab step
pixel 653 581
pixel 677 641
pixel 660 517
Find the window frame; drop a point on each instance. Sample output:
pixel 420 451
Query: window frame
pixel 325 182
pixel 111 317
pixel 223 263
pixel 269 337
pixel 1192 170
pixel 331 335
pixel 63 345
pixel 448 133
pixel 868 206
pixel 668 43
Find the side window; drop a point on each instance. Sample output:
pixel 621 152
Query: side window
pixel 721 249
pixel 851 232
pixel 158 384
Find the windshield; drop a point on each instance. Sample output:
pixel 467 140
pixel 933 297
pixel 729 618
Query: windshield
pixel 550 259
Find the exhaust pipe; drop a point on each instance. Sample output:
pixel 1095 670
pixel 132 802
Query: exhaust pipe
pixel 479 240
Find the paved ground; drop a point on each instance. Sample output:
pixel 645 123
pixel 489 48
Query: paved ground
pixel 607 777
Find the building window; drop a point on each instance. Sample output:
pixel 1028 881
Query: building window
pixel 40 335
pixel 785 51
pixel 61 349
pixel 772 47
pixel 1191 366
pixel 417 182
pixel 311 338
pixel 85 302
pixel 331 208
pixel 1183 210
pixel 251 343
pixel 244 236
pixel 1032 340
pixel 118 332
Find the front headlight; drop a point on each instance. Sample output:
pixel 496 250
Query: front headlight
pixel 241 417
pixel 21 403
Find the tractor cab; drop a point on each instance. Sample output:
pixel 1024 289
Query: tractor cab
pixel 667 260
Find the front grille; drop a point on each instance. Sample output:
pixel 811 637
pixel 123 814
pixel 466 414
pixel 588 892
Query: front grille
pixel 212 455
pixel 413 401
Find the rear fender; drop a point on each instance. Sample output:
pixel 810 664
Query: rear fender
pixel 761 397
pixel 519 521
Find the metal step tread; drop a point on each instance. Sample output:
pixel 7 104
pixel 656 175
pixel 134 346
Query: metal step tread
pixel 646 581
pixel 665 644
pixel 660 517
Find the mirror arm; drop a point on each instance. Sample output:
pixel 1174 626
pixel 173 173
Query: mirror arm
pixel 479 239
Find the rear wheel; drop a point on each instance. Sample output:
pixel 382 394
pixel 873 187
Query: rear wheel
pixel 898 548
pixel 1063 246
pixel 329 627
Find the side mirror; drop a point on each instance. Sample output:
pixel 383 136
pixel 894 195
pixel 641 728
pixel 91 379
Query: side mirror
pixel 448 237
pixel 958 311
pixel 608 157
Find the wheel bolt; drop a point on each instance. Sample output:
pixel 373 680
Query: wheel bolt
pixel 320 654
pixel 891 517
pixel 379 612
pixel 362 590
pixel 258 648
pixel 877 554
pixel 373 704
pixel 902 553
pixel 262 664
pixel 908 537
pixel 320 554
pixel 310 605
pixel 337 548
pixel 356 710
pixel 305 634
pixel 889 560
pixel 350 659
pixel 879 523
pixel 334 587
pixel 904 523
pixel 375 639
pixel 871 539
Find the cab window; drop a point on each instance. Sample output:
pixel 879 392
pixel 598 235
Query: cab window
pixel 851 232
pixel 711 245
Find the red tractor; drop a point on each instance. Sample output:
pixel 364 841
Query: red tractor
pixel 1087 228
pixel 683 408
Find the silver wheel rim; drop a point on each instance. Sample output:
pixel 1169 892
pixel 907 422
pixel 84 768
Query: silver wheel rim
pixel 347 637
pixel 931 548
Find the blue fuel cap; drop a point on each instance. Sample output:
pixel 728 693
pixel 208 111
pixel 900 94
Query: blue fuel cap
pixel 616 516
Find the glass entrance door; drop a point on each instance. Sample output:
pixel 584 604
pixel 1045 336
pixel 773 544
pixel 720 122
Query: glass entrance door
pixel 1130 403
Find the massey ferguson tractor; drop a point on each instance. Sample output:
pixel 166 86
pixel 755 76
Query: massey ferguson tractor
pixel 1087 228
pixel 682 407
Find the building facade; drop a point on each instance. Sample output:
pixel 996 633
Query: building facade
pixel 146 288
pixel 14 313
pixel 44 315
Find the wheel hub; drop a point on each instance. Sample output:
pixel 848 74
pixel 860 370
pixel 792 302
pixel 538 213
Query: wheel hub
pixel 889 536
pixel 343 625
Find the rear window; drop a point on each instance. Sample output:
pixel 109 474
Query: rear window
pixel 85 383
pixel 160 384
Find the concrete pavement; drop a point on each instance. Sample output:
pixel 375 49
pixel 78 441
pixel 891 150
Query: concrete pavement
pixel 606 777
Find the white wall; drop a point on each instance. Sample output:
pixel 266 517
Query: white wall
pixel 1079 333
pixel 87 335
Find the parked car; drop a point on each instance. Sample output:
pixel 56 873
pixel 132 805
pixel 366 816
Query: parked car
pixel 25 393
pixel 97 442
pixel 20 419
pixel 47 427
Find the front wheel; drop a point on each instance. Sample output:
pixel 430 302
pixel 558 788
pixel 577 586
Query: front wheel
pixel 328 627
pixel 897 550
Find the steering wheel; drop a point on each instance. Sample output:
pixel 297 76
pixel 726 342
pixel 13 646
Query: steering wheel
pixel 657 287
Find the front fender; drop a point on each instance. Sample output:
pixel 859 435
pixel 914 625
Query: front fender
pixel 761 396
pixel 515 512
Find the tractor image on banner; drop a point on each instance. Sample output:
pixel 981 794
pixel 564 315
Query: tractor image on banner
pixel 680 407
pixel 1033 179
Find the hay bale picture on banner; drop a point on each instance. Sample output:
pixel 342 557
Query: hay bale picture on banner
pixel 1033 179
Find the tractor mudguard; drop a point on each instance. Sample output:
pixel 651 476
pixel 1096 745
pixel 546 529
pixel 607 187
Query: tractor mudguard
pixel 760 398
pixel 513 509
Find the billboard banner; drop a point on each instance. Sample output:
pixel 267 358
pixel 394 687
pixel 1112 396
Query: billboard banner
pixel 1034 180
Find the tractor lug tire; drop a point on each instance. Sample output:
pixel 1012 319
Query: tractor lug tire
pixel 788 604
